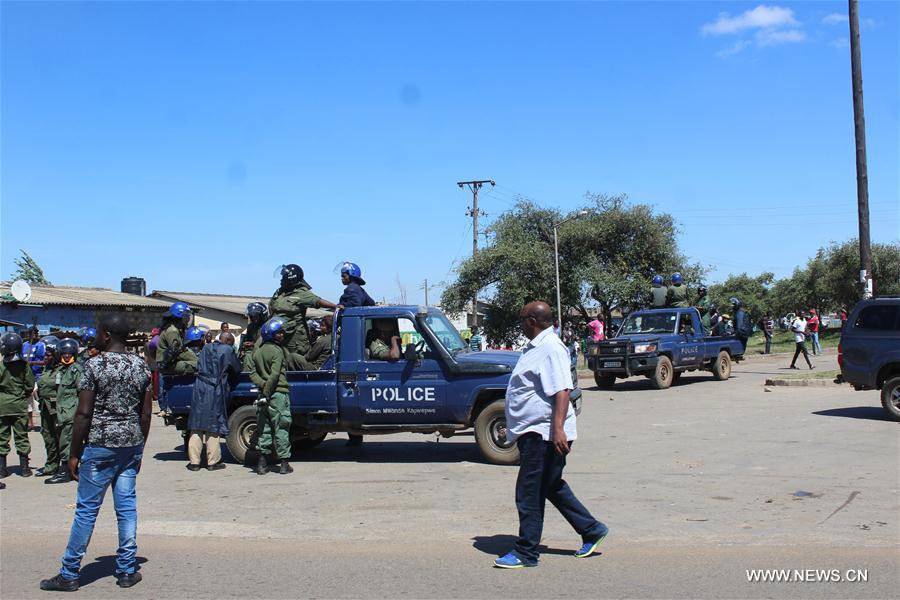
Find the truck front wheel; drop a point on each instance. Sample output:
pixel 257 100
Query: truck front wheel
pixel 605 382
pixel 490 434
pixel 722 367
pixel 663 375
pixel 241 432
pixel 890 397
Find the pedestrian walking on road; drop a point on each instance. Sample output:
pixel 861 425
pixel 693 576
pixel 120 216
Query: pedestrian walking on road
pixel 540 419
pixel 813 325
pixel 798 326
pixel 767 324
pixel 111 427
pixel 218 370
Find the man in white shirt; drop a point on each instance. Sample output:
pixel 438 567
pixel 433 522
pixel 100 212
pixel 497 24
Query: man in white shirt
pixel 798 326
pixel 540 419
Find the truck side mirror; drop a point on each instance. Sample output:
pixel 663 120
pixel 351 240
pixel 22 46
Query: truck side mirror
pixel 410 353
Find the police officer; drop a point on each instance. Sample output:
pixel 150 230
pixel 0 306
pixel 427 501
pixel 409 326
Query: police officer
pixel 321 348
pixel 88 335
pixel 290 302
pixel 354 294
pixel 257 314
pixel 384 342
pixel 47 385
pixel 186 361
pixel 273 407
pixel 175 320
pixel 69 376
pixel 703 307
pixel 658 293
pixel 743 327
pixel 676 295
pixel 16 386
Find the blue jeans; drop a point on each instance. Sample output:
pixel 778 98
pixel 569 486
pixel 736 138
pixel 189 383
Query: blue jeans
pixel 100 468
pixel 817 349
pixel 540 479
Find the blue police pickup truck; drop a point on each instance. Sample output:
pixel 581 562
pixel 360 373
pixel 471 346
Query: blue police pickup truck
pixel 661 344
pixel 438 386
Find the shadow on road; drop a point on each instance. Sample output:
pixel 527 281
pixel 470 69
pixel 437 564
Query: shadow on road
pixel 103 566
pixel 872 413
pixel 500 544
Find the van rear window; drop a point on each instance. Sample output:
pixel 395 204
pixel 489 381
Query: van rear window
pixel 883 318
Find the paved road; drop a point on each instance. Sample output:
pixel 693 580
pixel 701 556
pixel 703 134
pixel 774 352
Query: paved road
pixel 698 484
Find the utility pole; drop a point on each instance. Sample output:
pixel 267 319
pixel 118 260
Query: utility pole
pixel 427 287
pixel 862 176
pixel 473 212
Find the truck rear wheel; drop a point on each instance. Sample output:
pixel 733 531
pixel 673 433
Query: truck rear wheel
pixel 890 397
pixel 605 382
pixel 241 432
pixel 721 369
pixel 663 375
pixel 490 435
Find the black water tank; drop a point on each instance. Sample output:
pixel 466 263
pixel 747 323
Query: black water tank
pixel 134 285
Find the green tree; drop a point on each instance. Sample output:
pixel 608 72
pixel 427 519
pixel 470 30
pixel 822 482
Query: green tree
pixel 606 260
pixel 755 293
pixel 28 269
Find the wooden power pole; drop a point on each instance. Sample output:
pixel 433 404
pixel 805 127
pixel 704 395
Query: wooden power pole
pixel 862 176
pixel 473 212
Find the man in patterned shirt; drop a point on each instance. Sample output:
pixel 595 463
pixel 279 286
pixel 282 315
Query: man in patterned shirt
pixel 111 426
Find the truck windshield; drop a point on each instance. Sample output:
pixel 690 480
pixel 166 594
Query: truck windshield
pixel 656 322
pixel 445 332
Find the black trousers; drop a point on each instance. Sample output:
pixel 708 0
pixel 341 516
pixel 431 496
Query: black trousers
pixel 801 347
pixel 768 342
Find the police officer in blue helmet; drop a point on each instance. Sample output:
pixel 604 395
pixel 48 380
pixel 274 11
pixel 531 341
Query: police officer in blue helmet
pixel 171 341
pixel 676 295
pixel 354 294
pixel 257 314
pixel 658 293
pixel 88 336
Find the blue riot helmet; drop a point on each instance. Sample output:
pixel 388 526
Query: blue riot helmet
pixel 67 346
pixel 89 334
pixel 270 328
pixel 11 346
pixel 178 310
pixel 676 278
pixel 195 334
pixel 50 342
pixel 353 271
pixel 657 280
pixel 257 312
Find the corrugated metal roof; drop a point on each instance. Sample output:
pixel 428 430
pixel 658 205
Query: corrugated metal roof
pixel 225 302
pixel 64 295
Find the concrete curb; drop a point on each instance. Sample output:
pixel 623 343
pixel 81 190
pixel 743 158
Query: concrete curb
pixel 802 382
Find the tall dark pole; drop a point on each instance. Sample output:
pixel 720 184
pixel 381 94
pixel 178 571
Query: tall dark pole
pixel 474 212
pixel 862 177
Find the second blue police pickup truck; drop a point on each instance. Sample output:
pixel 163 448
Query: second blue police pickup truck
pixel 661 344
pixel 437 386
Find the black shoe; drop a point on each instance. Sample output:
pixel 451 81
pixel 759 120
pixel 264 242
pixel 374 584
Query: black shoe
pixel 793 367
pixel 59 584
pixel 216 467
pixel 285 468
pixel 193 467
pixel 811 367
pixel 45 472
pixel 262 467
pixel 24 469
pixel 62 476
pixel 125 580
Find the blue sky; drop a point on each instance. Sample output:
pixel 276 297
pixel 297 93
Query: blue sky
pixel 200 144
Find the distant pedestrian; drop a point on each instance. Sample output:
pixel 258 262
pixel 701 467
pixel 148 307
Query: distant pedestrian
pixel 218 369
pixel 767 324
pixel 111 427
pixel 798 326
pixel 743 326
pixel 540 419
pixel 597 330
pixel 843 318
pixel 476 342
pixel 813 325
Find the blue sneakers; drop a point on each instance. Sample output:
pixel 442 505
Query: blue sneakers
pixel 511 561
pixel 588 548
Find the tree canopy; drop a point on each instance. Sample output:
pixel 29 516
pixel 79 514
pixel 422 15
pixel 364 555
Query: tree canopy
pixel 28 270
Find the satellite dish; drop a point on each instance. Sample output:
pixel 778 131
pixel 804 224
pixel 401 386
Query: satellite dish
pixel 21 291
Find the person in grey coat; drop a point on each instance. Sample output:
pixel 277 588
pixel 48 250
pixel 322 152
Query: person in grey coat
pixel 218 369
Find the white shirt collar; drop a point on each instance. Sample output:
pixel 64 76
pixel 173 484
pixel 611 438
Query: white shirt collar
pixel 539 338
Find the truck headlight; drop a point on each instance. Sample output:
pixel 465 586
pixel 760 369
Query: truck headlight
pixel 642 348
